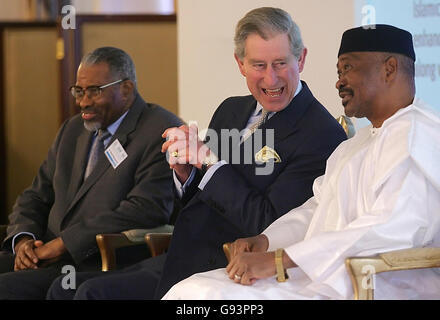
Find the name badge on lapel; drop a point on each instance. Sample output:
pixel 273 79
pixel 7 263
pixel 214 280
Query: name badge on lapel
pixel 115 154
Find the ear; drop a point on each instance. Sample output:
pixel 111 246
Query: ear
pixel 302 60
pixel 240 65
pixel 127 88
pixel 391 66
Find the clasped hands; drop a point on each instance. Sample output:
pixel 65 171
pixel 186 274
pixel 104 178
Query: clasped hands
pixel 250 261
pixel 29 252
pixel 185 150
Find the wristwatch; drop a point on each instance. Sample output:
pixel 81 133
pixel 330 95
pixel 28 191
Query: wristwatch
pixel 210 160
pixel 282 275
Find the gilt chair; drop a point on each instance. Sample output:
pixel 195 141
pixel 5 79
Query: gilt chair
pixel 362 269
pixel 109 243
pixel 157 240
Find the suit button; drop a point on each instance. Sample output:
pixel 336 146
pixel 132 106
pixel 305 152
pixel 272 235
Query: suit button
pixel 211 261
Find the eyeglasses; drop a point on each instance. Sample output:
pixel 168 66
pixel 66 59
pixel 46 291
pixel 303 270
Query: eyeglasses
pixel 92 91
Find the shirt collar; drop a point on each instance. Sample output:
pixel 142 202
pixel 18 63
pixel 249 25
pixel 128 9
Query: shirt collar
pixel 115 125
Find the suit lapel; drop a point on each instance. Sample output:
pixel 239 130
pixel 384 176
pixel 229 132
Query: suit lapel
pixel 240 116
pixel 239 119
pixel 79 163
pixel 127 126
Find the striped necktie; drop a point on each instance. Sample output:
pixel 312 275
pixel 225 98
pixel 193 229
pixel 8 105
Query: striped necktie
pixel 256 125
pixel 96 150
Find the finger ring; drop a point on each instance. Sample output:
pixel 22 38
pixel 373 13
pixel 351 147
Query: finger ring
pixel 175 154
pixel 237 277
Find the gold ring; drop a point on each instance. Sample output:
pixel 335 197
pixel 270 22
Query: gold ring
pixel 236 276
pixel 175 154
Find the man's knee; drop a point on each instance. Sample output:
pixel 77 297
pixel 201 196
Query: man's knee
pixel 89 291
pixel 59 291
pixel 7 287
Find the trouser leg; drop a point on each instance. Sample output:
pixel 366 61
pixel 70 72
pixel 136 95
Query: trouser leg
pixel 6 261
pixel 28 284
pixel 65 289
pixel 137 282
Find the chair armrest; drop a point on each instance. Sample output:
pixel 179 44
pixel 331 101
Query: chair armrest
pixel 108 243
pixel 361 269
pixel 3 232
pixel 158 243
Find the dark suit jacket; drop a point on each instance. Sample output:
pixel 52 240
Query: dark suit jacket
pixel 137 194
pixel 236 202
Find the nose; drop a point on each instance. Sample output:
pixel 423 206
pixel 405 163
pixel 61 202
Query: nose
pixel 85 101
pixel 271 76
pixel 340 83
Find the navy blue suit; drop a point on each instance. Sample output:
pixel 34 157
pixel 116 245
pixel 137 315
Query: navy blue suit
pixel 236 202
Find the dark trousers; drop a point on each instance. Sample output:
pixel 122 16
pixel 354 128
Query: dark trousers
pixel 137 282
pixel 33 283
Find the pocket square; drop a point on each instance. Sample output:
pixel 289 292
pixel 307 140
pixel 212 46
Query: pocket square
pixel 266 154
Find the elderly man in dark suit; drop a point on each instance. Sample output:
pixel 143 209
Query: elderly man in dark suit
pixel 242 178
pixel 104 173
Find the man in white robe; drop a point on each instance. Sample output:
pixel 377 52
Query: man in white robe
pixel 380 192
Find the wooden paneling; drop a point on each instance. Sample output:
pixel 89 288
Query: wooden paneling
pixel 153 48
pixel 31 103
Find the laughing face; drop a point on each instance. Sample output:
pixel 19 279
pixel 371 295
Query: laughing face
pixel 271 70
pixel 359 83
pixel 104 109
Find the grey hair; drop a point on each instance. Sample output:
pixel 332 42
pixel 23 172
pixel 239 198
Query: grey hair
pixel 118 61
pixel 267 22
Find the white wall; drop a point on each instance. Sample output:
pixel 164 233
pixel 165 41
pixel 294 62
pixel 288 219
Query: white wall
pixel 207 70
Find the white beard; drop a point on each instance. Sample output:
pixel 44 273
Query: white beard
pixel 92 125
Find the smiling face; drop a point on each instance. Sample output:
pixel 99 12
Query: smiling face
pixel 359 83
pixel 106 108
pixel 271 70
